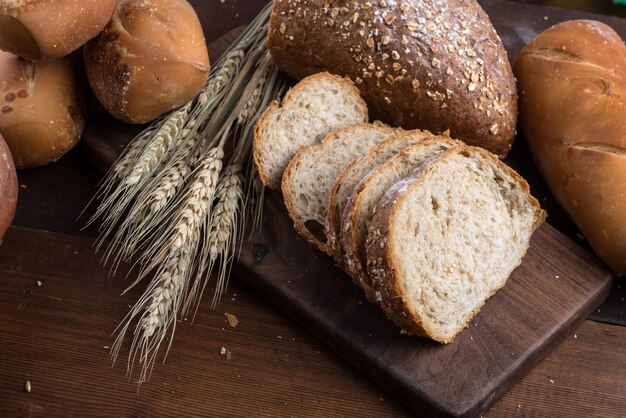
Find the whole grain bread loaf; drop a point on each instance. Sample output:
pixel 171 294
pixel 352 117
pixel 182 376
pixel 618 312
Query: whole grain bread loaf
pixel 433 65
pixel 445 239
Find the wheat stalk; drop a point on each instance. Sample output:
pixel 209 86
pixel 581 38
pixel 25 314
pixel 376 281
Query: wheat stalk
pixel 168 205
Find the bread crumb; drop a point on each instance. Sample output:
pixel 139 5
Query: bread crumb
pixel 232 320
pixel 39 283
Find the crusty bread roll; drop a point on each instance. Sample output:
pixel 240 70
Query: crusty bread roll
pixel 42 107
pixel 150 59
pixel 8 188
pixel 50 29
pixel 435 65
pixel 572 82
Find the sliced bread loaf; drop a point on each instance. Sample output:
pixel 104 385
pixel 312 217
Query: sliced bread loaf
pixel 446 239
pixel 317 105
pixel 311 174
pixel 347 181
pixel 360 207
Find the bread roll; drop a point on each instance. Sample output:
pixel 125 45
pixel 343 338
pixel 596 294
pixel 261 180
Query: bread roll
pixel 42 107
pixel 50 29
pixel 433 65
pixel 150 59
pixel 572 81
pixel 8 188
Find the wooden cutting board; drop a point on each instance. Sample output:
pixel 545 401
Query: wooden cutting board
pixel 557 286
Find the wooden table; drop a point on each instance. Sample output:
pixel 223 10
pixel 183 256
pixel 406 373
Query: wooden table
pixel 58 308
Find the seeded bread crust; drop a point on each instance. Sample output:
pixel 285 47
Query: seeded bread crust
pixel 382 268
pixel 433 65
pixel 350 177
pixel 353 232
pixel 261 147
pixel 302 164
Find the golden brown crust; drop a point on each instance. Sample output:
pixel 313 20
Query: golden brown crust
pixel 572 86
pixel 42 107
pixel 150 58
pixel 434 65
pixel 8 188
pixel 51 29
pixel 259 142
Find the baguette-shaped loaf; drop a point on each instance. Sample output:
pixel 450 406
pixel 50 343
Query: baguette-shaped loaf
pixel 433 65
pixel 316 106
pixel 347 181
pixel 572 82
pixel 311 174
pixel 362 203
pixel 445 239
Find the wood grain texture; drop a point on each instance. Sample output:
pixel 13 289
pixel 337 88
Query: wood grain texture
pixel 556 287
pixel 56 336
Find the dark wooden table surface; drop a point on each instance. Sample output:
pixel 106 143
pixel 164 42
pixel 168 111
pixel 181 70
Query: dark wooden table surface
pixel 58 308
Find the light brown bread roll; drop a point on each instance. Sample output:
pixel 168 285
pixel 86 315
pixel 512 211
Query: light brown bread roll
pixel 150 59
pixel 42 107
pixel 433 65
pixel 572 82
pixel 50 29
pixel 8 188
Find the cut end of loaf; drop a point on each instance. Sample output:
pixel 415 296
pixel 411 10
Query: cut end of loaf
pixel 446 240
pixel 317 105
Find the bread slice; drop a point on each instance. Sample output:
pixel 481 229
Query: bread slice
pixel 350 177
pixel 445 240
pixel 311 174
pixel 360 207
pixel 317 105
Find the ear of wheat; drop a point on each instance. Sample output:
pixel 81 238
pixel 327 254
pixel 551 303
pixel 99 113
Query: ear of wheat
pixel 175 202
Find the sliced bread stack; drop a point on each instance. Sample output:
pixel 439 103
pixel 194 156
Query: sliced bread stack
pixel 428 227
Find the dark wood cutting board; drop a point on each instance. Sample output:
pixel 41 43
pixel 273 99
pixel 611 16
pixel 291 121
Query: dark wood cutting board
pixel 557 286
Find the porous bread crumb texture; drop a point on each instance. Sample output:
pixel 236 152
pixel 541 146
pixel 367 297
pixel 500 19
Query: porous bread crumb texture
pixel 348 180
pixel 319 104
pixel 446 241
pixel 370 190
pixel 311 174
pixel 418 63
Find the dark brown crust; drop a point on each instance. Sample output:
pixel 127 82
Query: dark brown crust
pixel 149 59
pixel 73 22
pixel 572 87
pixel 438 67
pixel 380 264
pixel 8 188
